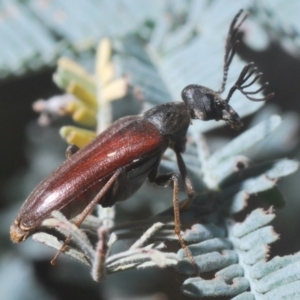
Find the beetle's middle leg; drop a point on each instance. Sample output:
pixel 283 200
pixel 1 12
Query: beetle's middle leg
pixel 172 179
pixel 88 209
pixel 187 182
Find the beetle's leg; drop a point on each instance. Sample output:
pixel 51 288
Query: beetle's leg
pixel 172 179
pixel 187 182
pixel 98 267
pixel 71 149
pixel 88 209
pixel 165 179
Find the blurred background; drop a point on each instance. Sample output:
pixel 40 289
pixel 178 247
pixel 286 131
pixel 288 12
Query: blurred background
pixel 35 33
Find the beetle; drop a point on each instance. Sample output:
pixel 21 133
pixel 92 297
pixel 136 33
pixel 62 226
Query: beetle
pixel 118 161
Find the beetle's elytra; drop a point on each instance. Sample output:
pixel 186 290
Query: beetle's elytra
pixel 122 157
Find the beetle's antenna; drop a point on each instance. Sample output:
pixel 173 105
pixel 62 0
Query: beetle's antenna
pixel 240 85
pixel 231 46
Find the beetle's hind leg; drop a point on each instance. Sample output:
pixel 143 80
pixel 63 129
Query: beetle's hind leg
pixel 88 210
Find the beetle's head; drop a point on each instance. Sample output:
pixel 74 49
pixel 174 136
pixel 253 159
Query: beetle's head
pixel 17 233
pixel 205 104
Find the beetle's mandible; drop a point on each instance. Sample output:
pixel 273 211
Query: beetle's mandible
pixel 117 162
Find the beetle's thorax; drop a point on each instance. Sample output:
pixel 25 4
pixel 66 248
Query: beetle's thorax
pixel 172 120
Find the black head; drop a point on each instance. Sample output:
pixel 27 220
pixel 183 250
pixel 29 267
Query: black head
pixel 206 104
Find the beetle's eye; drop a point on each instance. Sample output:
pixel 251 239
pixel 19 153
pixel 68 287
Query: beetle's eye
pixel 218 103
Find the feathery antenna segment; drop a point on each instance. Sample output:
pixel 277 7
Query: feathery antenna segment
pixel 231 46
pixel 246 73
pixel 206 104
pixel 230 50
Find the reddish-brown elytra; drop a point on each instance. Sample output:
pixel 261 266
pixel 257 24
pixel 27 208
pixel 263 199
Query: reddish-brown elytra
pixel 115 164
